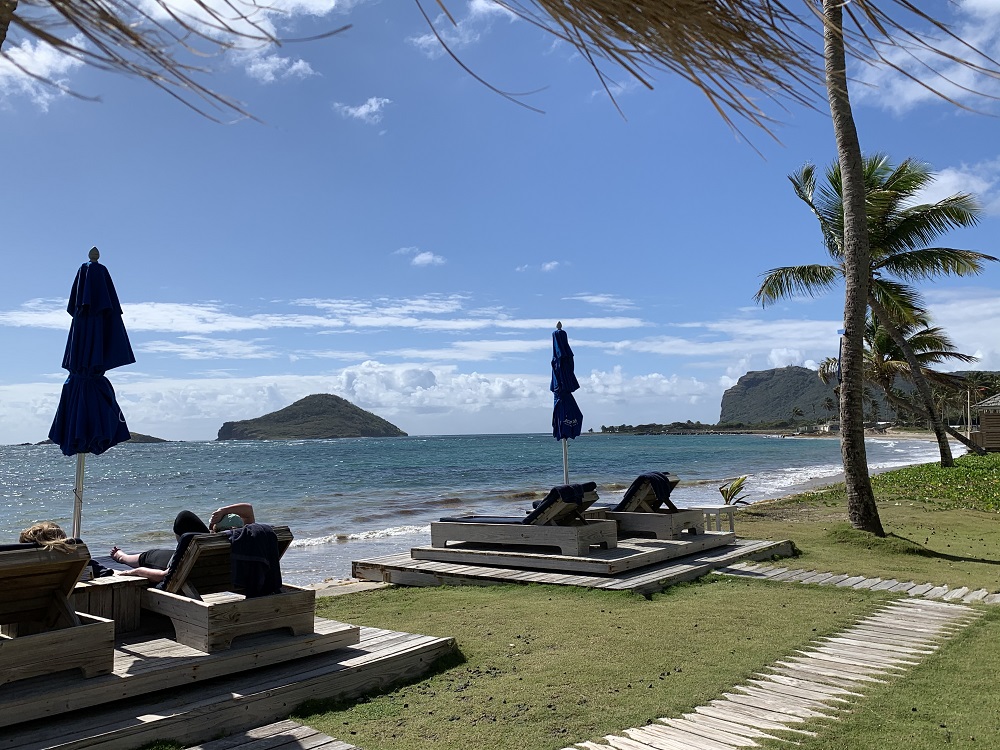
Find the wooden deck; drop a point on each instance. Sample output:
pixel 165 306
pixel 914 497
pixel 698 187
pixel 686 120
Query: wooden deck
pixel 403 569
pixel 144 664
pixel 232 703
pixel 630 554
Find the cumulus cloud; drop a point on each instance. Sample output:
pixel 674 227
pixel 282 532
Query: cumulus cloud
pixel 21 67
pixel 427 259
pixel 461 31
pixel 976 25
pixel 370 112
pixel 551 265
pixel 271 68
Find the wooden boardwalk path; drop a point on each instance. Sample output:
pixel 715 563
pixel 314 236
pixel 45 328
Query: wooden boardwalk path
pixel 282 735
pixel 815 683
pixel 910 588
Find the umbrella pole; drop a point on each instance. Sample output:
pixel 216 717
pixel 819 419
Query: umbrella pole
pixel 78 494
pixel 565 461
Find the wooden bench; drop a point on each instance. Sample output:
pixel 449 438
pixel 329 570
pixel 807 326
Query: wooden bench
pixel 206 611
pixel 40 632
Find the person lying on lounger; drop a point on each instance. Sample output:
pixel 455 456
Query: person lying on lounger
pixel 154 563
pixel 50 535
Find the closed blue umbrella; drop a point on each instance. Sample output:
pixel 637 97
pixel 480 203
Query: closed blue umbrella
pixel 567 419
pixel 89 419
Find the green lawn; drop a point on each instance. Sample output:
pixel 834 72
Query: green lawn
pixel 543 667
pixel 546 666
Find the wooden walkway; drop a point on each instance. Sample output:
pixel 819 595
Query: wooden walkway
pixel 282 735
pixel 815 683
pixel 236 702
pixel 403 570
pixel 910 588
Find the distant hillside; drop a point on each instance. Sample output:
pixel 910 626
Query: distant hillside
pixel 138 437
pixel 314 417
pixel 768 396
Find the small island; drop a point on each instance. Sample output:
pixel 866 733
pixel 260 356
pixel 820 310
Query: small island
pixel 317 417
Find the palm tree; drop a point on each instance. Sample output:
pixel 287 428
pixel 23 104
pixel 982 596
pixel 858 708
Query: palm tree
pixel 885 364
pixel 899 232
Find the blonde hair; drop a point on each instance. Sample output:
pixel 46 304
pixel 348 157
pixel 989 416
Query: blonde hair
pixel 48 535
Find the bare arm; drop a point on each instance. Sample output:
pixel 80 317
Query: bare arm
pixel 151 573
pixel 243 510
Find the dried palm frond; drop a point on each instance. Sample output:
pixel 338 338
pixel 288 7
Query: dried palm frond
pixel 143 38
pixel 737 51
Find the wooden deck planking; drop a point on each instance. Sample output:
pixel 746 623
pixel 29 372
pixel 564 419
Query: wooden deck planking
pixel 628 555
pixel 282 735
pixel 240 702
pixel 403 570
pixel 160 663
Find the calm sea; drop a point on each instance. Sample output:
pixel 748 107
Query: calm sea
pixel 354 498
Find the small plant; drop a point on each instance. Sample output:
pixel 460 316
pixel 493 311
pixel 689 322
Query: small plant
pixel 731 492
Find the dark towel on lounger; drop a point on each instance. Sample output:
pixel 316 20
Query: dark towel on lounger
pixel 256 570
pixel 661 485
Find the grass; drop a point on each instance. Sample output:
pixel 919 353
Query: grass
pixel 546 666
pixel 943 526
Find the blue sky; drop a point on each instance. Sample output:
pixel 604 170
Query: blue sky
pixel 394 232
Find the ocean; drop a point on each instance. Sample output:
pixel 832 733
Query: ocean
pixel 348 499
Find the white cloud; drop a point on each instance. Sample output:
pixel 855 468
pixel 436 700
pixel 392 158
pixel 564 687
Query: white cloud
pixel 270 68
pixel 976 25
pixel 607 301
pixel 551 265
pixel 784 357
pixel 370 112
pixel 201 347
pixel 42 61
pixel 461 31
pixel 981 180
pixel 427 259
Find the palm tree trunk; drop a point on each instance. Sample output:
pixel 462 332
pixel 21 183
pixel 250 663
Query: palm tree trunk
pixel 861 509
pixel 7 8
pixel 917 376
pixel 899 403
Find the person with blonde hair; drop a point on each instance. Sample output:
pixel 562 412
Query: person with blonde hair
pixel 47 534
pixel 50 536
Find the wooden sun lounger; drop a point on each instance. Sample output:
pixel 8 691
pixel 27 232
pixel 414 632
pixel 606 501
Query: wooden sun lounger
pixel 647 511
pixel 207 614
pixel 553 523
pixel 40 633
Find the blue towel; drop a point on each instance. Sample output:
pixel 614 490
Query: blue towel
pixel 661 485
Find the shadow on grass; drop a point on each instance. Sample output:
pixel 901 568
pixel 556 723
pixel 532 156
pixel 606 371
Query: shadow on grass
pixel 893 544
pixel 323 705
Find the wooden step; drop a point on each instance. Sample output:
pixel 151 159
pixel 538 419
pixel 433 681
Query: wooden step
pixel 238 702
pixel 144 664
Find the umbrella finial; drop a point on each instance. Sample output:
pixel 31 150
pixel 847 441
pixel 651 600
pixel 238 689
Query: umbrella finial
pixel 559 325
pixel 94 253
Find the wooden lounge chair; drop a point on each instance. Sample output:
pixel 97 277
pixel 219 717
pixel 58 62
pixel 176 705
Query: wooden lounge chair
pixel 647 511
pixel 40 633
pixel 208 611
pixel 556 521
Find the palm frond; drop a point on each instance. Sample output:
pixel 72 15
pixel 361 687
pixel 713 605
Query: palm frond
pixel 792 281
pixel 932 262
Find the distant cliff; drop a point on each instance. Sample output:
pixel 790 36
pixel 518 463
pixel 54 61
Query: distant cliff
pixel 314 417
pixel 768 396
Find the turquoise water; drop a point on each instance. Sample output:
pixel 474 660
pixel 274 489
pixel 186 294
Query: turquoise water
pixel 353 498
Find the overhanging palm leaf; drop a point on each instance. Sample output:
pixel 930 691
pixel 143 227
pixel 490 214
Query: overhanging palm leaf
pixel 932 262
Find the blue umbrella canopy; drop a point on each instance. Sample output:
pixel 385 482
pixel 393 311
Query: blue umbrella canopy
pixel 88 419
pixel 567 419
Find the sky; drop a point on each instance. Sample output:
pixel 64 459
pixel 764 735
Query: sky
pixel 392 230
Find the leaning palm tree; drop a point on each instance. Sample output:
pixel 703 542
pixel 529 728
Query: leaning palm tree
pixel 886 365
pixel 899 232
